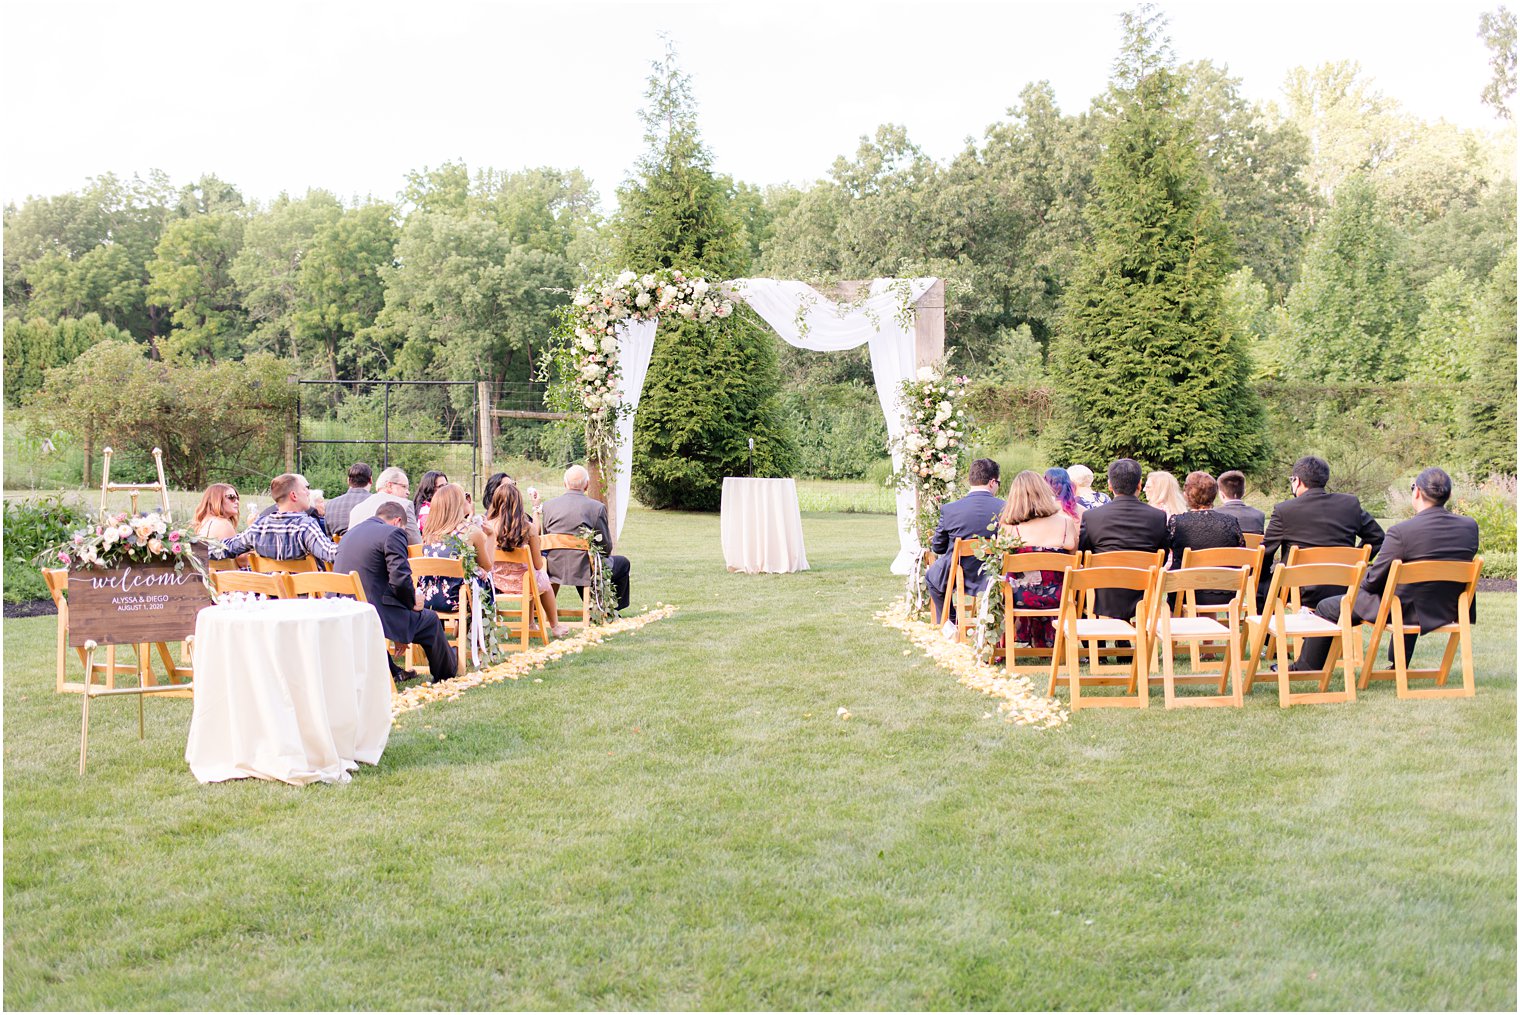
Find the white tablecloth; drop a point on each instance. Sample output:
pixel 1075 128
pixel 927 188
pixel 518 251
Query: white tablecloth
pixel 761 526
pixel 295 690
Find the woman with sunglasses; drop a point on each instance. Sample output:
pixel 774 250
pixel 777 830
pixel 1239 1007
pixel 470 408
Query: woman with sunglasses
pixel 216 516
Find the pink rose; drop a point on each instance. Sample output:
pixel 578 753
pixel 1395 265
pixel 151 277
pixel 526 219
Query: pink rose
pixel 63 558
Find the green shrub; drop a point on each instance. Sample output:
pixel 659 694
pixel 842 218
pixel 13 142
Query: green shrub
pixel 1492 505
pixel 1499 565
pixel 840 430
pixel 30 528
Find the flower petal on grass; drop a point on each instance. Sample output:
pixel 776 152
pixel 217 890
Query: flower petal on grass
pixel 519 664
pixel 1021 704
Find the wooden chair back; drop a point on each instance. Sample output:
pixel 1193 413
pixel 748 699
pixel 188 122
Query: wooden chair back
pixel 1124 558
pixel 955 592
pixel 1281 623
pixel 1013 563
pixel 314 584
pixel 456 621
pixel 225 564
pixel 1225 556
pixel 274 585
pixel 563 541
pixel 413 550
pixel 1112 576
pixel 520 612
pixel 1253 540
pixel 580 615
pixel 266 565
pixel 1196 630
pixel 1328 555
pixel 1390 618
pixel 1073 629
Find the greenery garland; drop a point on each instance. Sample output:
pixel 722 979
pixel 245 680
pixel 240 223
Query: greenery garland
pixel 583 363
pixel 933 444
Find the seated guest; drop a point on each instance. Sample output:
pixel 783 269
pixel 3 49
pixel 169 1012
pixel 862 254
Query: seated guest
pixel 531 494
pixel 340 507
pixel 566 515
pixel 1066 494
pixel 1202 528
pixel 510 529
pixel 1232 487
pixel 216 516
pixel 1162 491
pixel 1034 517
pixel 1122 524
pixel 1081 482
pixel 1312 517
pixel 288 533
pixel 1434 533
pixel 392 487
pixel 316 507
pixel 448 529
pixel 431 481
pixel 376 549
pixel 974 516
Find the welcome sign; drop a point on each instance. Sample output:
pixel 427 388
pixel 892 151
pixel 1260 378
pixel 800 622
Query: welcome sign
pixel 132 605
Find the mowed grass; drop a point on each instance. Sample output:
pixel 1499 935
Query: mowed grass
pixel 678 819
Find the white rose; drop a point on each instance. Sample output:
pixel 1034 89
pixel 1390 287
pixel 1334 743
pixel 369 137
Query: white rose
pixel 927 374
pixel 588 343
pixel 942 442
pixel 647 281
pixel 641 300
pixel 609 345
pixel 699 286
pixel 582 299
pixel 724 309
pixel 626 277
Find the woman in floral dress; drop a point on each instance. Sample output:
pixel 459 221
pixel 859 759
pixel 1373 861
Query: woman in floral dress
pixel 511 528
pixel 449 532
pixel 1033 518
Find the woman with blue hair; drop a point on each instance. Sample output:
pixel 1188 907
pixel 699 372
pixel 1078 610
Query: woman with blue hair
pixel 1066 494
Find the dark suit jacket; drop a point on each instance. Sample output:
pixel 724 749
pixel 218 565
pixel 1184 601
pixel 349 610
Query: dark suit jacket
pixel 974 516
pixel 566 515
pixel 378 552
pixel 1248 518
pixel 1433 534
pixel 1317 518
pixel 1122 524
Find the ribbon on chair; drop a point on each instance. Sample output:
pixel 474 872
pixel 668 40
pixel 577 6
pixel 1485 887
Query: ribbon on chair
pixel 477 627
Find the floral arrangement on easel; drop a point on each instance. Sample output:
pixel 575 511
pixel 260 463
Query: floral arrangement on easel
pixel 148 539
pixel 583 357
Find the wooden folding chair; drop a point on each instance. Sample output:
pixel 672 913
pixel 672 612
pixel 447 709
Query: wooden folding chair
pixel 1253 540
pixel 457 621
pixel 1140 559
pixel 58 585
pixel 521 613
pixel 266 565
pixel 956 596
pixel 413 550
pixel 1324 555
pixel 1245 558
pixel 321 584
pixel 1019 562
pixel 1192 629
pixel 1390 618
pixel 1278 625
pixel 275 585
pixel 580 615
pixel 1073 629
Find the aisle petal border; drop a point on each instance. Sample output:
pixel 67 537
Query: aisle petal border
pixel 520 664
pixel 1021 704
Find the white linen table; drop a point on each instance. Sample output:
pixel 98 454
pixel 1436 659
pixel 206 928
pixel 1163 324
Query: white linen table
pixel 295 690
pixel 761 526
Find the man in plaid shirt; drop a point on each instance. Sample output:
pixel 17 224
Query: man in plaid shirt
pixel 289 533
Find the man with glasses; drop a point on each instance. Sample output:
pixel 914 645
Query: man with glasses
pixel 288 532
pixel 1315 517
pixel 391 487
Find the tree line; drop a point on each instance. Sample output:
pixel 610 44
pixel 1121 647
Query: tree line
pixel 1331 240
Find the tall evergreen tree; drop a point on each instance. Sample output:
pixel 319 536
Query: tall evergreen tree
pixel 1490 413
pixel 710 387
pixel 1150 362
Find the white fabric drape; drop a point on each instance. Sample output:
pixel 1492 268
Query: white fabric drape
pixel 807 319
pixel 635 346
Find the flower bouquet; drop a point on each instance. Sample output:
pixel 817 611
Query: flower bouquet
pixel 123 540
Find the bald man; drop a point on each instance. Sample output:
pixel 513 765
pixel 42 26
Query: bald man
pixel 567 514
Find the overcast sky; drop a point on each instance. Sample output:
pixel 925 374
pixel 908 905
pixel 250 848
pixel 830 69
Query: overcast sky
pixel 281 96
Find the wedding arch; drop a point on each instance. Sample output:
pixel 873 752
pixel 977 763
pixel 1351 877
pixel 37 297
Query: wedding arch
pixel 614 322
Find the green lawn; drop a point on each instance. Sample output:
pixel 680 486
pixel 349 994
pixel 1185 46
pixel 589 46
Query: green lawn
pixel 678 819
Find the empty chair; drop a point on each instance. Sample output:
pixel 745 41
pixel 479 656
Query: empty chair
pixel 1253 540
pixel 274 585
pixel 1073 628
pixel 1167 630
pixel 1278 624
pixel 1142 559
pixel 320 584
pixel 1391 619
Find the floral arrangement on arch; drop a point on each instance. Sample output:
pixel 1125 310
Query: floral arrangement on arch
pixel 585 351
pixel 933 443
pixel 118 540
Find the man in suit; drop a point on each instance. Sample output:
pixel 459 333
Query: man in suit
pixel 1232 487
pixel 1312 517
pixel 1124 523
pixel 339 508
pixel 566 515
pixel 376 548
pixel 974 516
pixel 1434 533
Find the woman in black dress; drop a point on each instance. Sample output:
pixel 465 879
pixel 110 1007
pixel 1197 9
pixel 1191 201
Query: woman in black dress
pixel 1202 528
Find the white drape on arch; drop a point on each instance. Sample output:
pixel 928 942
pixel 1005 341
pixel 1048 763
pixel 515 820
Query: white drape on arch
pixel 807 319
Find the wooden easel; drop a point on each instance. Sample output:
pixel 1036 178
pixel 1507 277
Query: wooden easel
pixel 144 669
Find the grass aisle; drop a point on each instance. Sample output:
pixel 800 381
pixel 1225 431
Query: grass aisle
pixel 678 819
